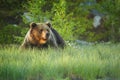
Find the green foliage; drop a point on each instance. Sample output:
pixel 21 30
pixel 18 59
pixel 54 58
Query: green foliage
pixel 11 11
pixel 11 4
pixel 87 62
pixel 69 18
pixel 111 9
pixel 35 13
pixel 12 34
pixel 110 31
pixel 62 22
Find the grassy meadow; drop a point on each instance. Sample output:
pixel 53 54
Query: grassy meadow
pixel 87 62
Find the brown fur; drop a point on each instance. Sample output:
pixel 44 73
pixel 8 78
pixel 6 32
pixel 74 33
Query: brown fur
pixel 39 35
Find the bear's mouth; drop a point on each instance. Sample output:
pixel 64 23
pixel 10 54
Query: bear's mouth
pixel 45 39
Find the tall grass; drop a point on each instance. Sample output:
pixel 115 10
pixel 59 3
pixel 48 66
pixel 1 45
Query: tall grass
pixel 88 62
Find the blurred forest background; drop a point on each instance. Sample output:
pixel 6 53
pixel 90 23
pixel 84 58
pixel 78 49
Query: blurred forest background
pixel 88 20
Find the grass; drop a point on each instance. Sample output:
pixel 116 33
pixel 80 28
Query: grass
pixel 88 62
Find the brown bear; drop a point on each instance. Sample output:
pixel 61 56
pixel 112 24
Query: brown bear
pixel 42 35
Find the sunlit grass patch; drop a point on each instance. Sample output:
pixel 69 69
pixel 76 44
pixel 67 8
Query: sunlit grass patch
pixel 89 62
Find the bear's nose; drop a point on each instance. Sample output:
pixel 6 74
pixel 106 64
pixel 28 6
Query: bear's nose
pixel 47 35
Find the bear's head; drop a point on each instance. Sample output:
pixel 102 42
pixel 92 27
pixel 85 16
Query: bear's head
pixel 40 32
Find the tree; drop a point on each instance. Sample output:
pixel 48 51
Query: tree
pixel 69 17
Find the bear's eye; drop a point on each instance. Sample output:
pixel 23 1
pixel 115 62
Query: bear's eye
pixel 41 30
pixel 48 30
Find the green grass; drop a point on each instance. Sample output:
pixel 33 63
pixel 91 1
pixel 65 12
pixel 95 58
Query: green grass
pixel 88 62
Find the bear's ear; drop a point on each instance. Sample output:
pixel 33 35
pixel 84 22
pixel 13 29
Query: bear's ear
pixel 49 24
pixel 32 25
